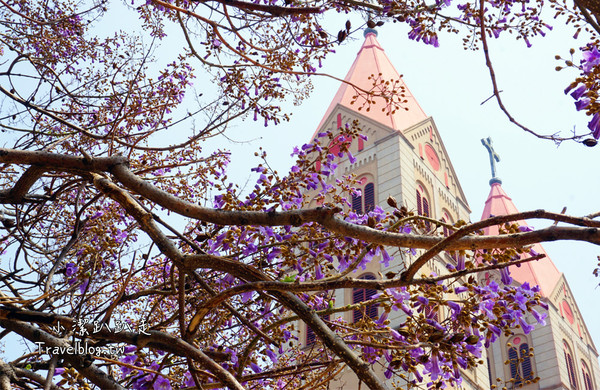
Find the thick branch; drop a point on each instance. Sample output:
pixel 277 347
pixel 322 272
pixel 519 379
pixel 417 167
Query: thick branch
pixel 158 340
pixel 330 339
pixel 7 375
pixel 20 372
pixel 19 191
pixel 81 363
pixel 322 215
pixel 586 14
pixel 274 10
pixel 59 162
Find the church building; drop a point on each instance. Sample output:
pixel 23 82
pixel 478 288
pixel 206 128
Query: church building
pixel 404 157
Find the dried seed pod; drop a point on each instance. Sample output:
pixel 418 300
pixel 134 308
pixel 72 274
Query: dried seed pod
pixel 391 201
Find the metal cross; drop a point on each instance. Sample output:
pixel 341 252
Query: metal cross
pixel 487 142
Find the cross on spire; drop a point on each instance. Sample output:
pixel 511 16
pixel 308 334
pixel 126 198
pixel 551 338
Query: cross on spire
pixel 494 157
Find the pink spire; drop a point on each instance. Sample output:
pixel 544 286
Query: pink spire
pixel 371 60
pixel 542 272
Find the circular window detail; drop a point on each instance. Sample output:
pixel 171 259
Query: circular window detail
pixel 568 312
pixel 432 157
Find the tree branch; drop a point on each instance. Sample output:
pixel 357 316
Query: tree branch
pixel 245 272
pixel 117 165
pixel 81 363
pixel 488 63
pixel 11 318
pixel 274 10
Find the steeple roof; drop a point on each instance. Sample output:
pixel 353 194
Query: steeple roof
pixel 542 272
pixel 371 60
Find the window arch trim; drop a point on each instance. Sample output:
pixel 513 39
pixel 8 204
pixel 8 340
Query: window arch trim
pixel 362 295
pixel 423 204
pixel 520 363
pixel 570 365
pixel 587 377
pixel 365 202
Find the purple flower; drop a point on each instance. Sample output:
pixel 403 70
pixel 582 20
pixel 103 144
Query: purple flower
pixel 532 252
pixel 406 309
pixel 71 269
pixel 591 58
pixel 351 158
pixel 493 286
pixel 460 289
pixel 385 258
pixel 540 318
pixel 272 356
pixel 58 371
pixel 129 359
pixel 388 372
pixel 581 104
pixel 594 126
pixel 246 296
pixel 525 228
pixel 525 326
pixel 381 320
pixel 578 93
pixel 521 300
pixel 397 336
pixel 456 308
pixel 255 368
pixel 162 383
pixel 83 286
pixel 460 265
pixel 434 366
pixel 495 330
pixel 505 276
pixel 189 381
pixel 318 272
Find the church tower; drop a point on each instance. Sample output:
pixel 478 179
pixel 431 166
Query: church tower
pixel 404 157
pixel 564 355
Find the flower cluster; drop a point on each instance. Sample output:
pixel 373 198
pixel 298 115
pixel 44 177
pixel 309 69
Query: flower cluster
pixel 584 90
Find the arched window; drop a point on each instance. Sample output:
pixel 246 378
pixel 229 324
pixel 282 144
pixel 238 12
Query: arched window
pixel 369 197
pixel 587 378
pixel 520 362
pixel 362 295
pixel 310 334
pixel 448 231
pixel 364 202
pixel 423 205
pixel 525 361
pixel 570 365
pixel 446 219
pixel 357 203
pixel 513 358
